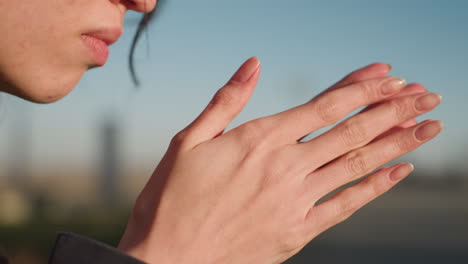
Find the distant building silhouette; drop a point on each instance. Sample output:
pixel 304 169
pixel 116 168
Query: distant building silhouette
pixel 108 182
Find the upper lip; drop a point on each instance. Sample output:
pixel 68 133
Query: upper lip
pixel 108 35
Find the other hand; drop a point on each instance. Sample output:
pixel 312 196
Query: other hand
pixel 249 195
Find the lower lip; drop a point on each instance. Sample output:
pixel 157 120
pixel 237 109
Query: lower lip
pixel 98 48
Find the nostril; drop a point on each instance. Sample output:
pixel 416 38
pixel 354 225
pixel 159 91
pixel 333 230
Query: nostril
pixel 131 2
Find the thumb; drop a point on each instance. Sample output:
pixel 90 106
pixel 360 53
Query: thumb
pixel 225 105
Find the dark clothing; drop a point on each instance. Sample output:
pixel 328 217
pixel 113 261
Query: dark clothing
pixel 3 259
pixel 74 249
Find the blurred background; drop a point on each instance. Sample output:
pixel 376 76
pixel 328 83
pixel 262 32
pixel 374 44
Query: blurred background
pixel 77 165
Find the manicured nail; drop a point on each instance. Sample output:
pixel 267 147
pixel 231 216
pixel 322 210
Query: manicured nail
pixel 429 130
pixel 246 71
pixel 427 102
pixel 393 85
pixel 401 172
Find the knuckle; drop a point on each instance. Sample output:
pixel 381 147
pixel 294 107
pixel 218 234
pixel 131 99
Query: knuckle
pixel 376 184
pixel 223 96
pixel 179 139
pixel 253 133
pixel 379 187
pixel 344 210
pixel 403 143
pixel 293 239
pixel 345 216
pixel 326 109
pixel 369 91
pixel 400 109
pixel 141 209
pixel 353 133
pixel 356 164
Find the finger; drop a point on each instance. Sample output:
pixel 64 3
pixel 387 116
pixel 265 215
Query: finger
pixel 332 106
pixel 371 71
pixel 411 89
pixel 395 129
pixel 345 203
pixel 406 124
pixel 358 163
pixel 361 129
pixel 226 104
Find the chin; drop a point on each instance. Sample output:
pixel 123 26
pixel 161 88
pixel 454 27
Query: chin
pixel 44 90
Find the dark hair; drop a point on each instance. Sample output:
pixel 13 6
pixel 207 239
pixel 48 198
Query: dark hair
pixel 142 25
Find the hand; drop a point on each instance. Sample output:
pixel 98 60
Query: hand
pixel 249 195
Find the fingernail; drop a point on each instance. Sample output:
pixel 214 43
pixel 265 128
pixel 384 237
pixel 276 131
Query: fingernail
pixel 393 85
pixel 428 101
pixel 429 130
pixel 246 71
pixel 401 172
pixel 389 67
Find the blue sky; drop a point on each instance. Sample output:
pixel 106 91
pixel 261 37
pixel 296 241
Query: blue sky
pixel 194 47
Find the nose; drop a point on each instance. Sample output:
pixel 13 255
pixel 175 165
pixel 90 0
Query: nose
pixel 143 6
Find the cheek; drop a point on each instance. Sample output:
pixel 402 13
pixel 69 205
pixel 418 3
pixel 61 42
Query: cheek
pixel 42 70
pixel 41 57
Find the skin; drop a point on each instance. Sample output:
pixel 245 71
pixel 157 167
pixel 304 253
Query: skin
pixel 211 191
pixel 42 57
pixel 248 195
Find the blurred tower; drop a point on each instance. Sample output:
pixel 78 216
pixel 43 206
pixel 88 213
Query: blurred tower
pixel 108 185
